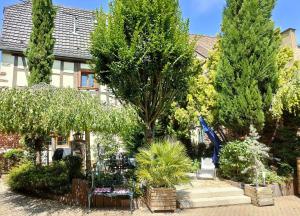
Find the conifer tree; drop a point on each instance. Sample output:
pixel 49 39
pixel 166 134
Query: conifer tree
pixel 247 74
pixel 40 50
pixel 142 52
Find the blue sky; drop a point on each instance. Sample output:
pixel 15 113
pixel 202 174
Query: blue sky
pixel 205 15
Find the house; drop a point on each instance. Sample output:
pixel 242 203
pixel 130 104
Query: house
pixel 289 39
pixel 72 34
pixel 70 69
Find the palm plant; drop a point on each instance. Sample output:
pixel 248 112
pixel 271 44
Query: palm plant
pixel 163 164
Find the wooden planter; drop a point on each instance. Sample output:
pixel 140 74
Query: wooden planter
pixel 161 199
pixel 261 196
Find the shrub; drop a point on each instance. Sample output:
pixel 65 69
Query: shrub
pixel 285 170
pixel 271 177
pixel 234 159
pixel 244 160
pixel 39 180
pixel 286 145
pixel 12 158
pixel 163 164
pixel 14 154
pixel 195 165
pixel 74 166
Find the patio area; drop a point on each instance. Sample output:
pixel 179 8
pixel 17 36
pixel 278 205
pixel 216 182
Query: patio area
pixel 19 205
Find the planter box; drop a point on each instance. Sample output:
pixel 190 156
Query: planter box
pixel 161 199
pixel 261 196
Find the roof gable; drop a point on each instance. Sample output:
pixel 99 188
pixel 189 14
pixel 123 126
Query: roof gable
pixel 17 25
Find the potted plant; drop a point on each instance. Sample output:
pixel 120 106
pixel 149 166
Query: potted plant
pixel 160 167
pixel 261 195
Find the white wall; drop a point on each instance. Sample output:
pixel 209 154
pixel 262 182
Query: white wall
pixel 7 66
pixel 68 75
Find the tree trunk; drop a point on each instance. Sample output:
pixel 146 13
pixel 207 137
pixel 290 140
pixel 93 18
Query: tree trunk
pixel 149 133
pixel 88 153
pixel 38 150
pixel 39 157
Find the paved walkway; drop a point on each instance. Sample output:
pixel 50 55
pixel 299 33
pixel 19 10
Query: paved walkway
pixel 12 204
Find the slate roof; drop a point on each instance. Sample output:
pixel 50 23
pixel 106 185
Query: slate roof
pixel 204 44
pixel 17 26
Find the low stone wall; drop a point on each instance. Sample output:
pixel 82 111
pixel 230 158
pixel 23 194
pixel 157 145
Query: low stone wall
pixel 283 189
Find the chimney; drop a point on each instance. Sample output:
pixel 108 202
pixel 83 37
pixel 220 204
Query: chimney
pixel 289 38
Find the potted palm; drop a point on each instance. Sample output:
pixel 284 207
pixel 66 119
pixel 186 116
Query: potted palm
pixel 160 167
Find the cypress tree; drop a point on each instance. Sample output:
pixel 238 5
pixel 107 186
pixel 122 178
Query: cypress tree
pixel 247 73
pixel 40 50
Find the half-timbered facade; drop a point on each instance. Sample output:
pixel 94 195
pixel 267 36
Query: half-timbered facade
pixel 72 33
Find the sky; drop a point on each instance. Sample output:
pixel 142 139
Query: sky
pixel 205 15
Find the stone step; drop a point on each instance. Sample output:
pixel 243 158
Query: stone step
pixel 192 176
pixel 214 201
pixel 194 193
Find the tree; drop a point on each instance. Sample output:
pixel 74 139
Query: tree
pixel 287 97
pixel 142 51
pixel 247 73
pixel 35 112
pixel 40 49
pixel 201 98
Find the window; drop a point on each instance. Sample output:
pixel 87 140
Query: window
pixel 87 80
pixel 62 140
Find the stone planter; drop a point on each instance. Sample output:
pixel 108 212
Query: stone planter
pixel 161 199
pixel 261 196
pixel 283 189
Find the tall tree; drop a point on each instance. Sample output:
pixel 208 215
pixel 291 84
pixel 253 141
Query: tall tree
pixel 40 50
pixel 142 52
pixel 247 74
pixel 286 99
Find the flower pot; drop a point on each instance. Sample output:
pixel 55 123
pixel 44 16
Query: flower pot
pixel 161 199
pixel 261 196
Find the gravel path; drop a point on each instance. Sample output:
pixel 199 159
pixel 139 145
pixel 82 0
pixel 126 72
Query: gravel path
pixel 12 204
